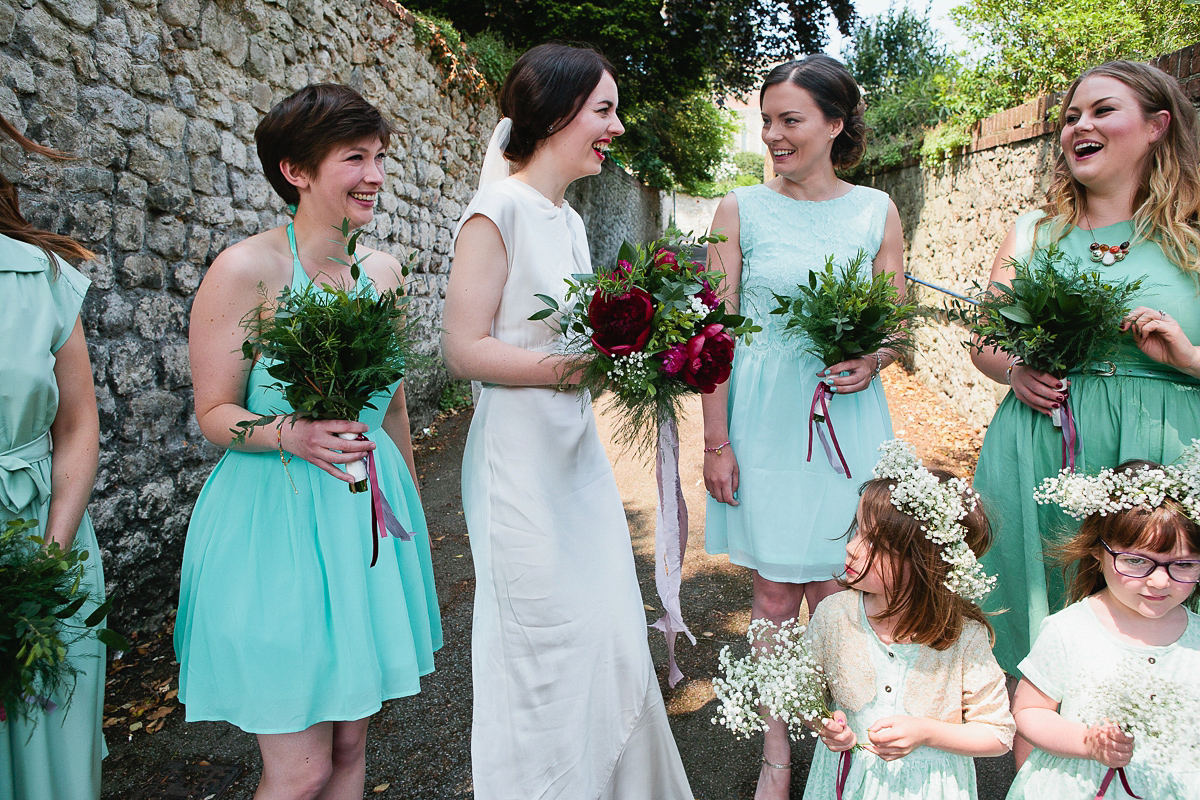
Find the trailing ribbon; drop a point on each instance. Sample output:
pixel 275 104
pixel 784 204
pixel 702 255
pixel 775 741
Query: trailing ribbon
pixel 844 772
pixel 670 542
pixel 383 519
pixel 1108 776
pixel 1064 419
pixel 820 397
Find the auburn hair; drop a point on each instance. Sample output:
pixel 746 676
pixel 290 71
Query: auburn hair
pixel 924 610
pixel 1155 530
pixel 15 226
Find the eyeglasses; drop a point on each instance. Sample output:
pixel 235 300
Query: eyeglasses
pixel 1132 565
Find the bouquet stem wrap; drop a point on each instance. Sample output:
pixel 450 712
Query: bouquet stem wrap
pixel 1108 776
pixel 670 541
pixel 383 519
pixel 821 398
pixel 844 759
pixel 1064 419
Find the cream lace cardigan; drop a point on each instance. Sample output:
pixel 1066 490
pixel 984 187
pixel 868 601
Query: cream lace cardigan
pixel 962 683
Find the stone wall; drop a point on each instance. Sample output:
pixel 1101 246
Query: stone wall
pixel 616 207
pixel 955 216
pixel 159 101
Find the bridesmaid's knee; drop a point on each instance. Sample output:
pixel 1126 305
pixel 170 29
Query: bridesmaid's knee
pixel 349 744
pixel 303 780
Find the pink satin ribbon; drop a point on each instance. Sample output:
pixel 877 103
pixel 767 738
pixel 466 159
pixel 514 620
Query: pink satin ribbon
pixel 844 772
pixel 1108 776
pixel 670 542
pixel 1070 435
pixel 820 398
pixel 383 519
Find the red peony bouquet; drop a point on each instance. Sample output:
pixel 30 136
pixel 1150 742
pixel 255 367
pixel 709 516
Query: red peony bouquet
pixel 652 329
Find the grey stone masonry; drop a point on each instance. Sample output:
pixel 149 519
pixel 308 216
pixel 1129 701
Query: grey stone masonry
pixel 159 101
pixel 956 215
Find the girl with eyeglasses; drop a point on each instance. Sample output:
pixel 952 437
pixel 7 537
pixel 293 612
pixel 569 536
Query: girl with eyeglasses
pixel 1128 570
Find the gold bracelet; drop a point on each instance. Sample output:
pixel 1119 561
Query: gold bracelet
pixel 282 460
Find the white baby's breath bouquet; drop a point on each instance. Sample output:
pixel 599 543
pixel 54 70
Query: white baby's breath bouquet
pixel 779 676
pixel 1158 713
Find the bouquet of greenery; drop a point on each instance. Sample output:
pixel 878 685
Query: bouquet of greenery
pixel 330 351
pixel 40 590
pixel 1054 316
pixel 651 329
pixel 845 313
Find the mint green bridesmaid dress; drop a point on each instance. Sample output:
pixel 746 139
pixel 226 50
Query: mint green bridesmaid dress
pixel 55 754
pixel 1142 410
pixel 282 624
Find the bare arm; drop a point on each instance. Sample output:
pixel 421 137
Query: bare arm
pixel 721 469
pixel 230 291
pixel 76 436
pixel 1160 337
pixel 896 737
pixel 1038 390
pixel 396 425
pixel 476 284
pixel 1038 721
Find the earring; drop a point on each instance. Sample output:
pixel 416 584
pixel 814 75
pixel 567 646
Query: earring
pixel 549 129
pixel 833 136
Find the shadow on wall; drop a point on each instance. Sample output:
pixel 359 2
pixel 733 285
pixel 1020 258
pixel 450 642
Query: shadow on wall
pixel 616 207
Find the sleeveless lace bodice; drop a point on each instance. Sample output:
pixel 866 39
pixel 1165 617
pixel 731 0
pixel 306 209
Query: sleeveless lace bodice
pixel 772 262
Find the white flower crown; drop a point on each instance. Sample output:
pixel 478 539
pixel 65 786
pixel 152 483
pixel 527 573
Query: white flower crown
pixel 939 506
pixel 1110 491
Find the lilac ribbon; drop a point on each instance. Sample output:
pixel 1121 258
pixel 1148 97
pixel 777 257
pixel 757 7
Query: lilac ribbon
pixel 1108 776
pixel 844 772
pixel 820 397
pixel 1070 434
pixel 383 519
pixel 670 542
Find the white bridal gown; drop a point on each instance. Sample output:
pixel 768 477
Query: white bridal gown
pixel 567 704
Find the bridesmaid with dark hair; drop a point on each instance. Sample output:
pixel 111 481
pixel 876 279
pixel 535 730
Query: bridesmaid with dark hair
pixel 46 393
pixel 771 509
pixel 567 704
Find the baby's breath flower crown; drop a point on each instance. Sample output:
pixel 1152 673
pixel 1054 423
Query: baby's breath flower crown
pixel 940 507
pixel 1111 491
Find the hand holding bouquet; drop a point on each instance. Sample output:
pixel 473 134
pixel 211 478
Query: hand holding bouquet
pixel 651 329
pixel 40 590
pixel 1054 317
pixel 843 314
pixel 330 350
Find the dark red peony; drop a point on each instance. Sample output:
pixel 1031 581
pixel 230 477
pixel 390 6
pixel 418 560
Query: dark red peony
pixel 621 324
pixel 665 258
pixel 709 358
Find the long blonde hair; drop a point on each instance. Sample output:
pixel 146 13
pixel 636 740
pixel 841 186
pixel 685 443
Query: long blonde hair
pixel 1167 202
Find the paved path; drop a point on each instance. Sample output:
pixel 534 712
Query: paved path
pixel 419 747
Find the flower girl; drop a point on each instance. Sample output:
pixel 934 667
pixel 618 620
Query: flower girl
pixel 1124 657
pixel 907 649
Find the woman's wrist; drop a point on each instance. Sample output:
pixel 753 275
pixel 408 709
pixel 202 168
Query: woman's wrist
pixel 1013 363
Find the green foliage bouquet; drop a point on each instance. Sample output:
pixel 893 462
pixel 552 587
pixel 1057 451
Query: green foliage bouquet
pixel 845 313
pixel 41 588
pixel 1054 315
pixel 330 349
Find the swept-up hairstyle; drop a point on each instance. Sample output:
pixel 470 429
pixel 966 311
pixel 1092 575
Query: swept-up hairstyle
pixel 1167 202
pixel 15 226
pixel 925 611
pixel 1156 530
pixel 302 128
pixel 544 91
pixel 836 93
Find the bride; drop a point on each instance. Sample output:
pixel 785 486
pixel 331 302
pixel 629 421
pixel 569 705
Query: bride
pixel 567 703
